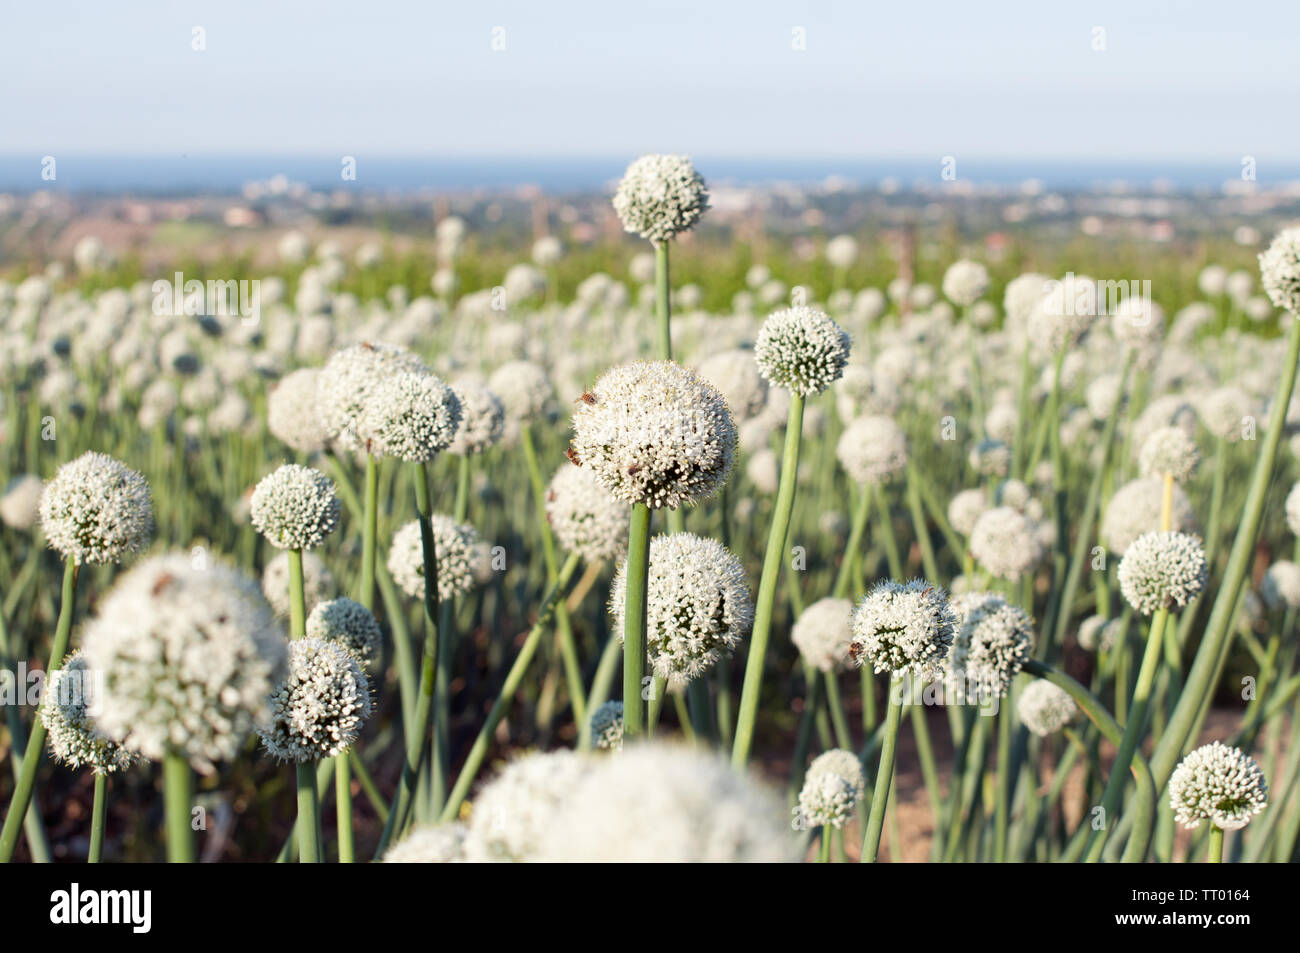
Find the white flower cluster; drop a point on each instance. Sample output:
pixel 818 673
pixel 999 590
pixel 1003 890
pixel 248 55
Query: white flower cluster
pixel 698 605
pixel 319 705
pixel 1135 509
pixel 655 433
pixel 735 374
pixel 65 709
pixel 821 634
pixel 523 389
pixel 188 657
pixel 292 411
pixel 410 416
pixel 1169 450
pixel 1098 634
pixel 1293 510
pixel 965 282
pixel 994 640
pixel 965 509
pixel 1045 708
pixel 347 381
pixel 1162 571
pixel 516 811
pixel 482 419
pixel 1005 542
pixel 607 726
pixel 431 844
pixel 21 502
pixel 831 789
pixel 350 624
pixel 295 507
pixel 96 510
pixel 802 350
pixel 585 518
pixel 903 626
pixel 660 196
pixel 1279 270
pixel 317 582
pixel 455 549
pixel 872 449
pixel 1219 784
pixel 1281 586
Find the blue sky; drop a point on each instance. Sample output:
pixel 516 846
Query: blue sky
pixel 1188 80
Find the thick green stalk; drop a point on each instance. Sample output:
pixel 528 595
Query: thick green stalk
pixel 97 818
pixel 634 615
pixel 1002 802
pixel 884 775
pixel 26 784
pixel 663 302
pixel 474 760
pixel 1200 680
pixel 309 826
pixel 369 533
pixel 343 808
pixel 178 798
pixel 297 601
pixel 845 572
pixel 836 708
pixel 772 562
pixel 1216 845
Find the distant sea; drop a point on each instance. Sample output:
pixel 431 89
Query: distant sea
pixel 224 174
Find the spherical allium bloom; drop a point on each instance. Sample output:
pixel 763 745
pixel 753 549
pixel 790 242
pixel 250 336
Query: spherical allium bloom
pixel 21 503
pixel 655 433
pixel 821 634
pixel 410 416
pixel 842 251
pixel 660 197
pixel 295 507
pixel 831 789
pixel 872 449
pixel 690 802
pixel 991 458
pixel 965 282
pixel 1005 543
pixel 1281 585
pixel 1219 784
pixel 965 509
pixel 318 706
pixel 698 605
pixel 482 419
pixel 523 388
pixel 1001 421
pixel 585 518
pixel 1135 509
pixel 1169 451
pixel 1137 323
pixel 1293 510
pixel 96 510
pixel 317 582
pixel 1224 411
pixel 607 726
pixel 1045 708
pixel 66 705
pixel 188 654
pixel 802 350
pixel 903 626
pixel 994 640
pixel 515 811
pixel 456 551
pixel 350 624
pixel 432 844
pixel 347 380
pixel 1279 270
pixel 1022 297
pixel 1162 571
pixel 736 375
pixel 1098 634
pixel 1103 394
pixel 293 411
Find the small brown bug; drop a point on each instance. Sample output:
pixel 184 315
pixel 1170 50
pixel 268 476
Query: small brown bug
pixel 161 583
pixel 573 457
pixel 587 397
pixel 634 469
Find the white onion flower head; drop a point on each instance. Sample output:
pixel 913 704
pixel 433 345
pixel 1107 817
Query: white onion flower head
pixel 1162 571
pixel 736 375
pixel 516 811
pixel 965 282
pixel 842 251
pixel 832 788
pixel 1169 450
pixel 1225 411
pixel 410 416
pixel 350 624
pixel 431 844
pixel 655 433
pixel 96 510
pixel 1098 634
pixel 991 458
pixel 1279 270
pixel 1005 542
pixel 482 419
pixel 661 196
pixel 523 388
pixel 317 581
pixel 67 705
pixel 1045 708
pixel 1281 585
pixel 1023 295
pixel 1135 509
pixel 585 518
pixel 1219 784
pixel 319 705
pixel 347 380
pixel 802 350
pixel 903 627
pixel 1138 323
pixel 667 803
pixel 994 639
pixel 295 507
pixel 821 634
pixel 965 508
pixel 20 505
pixel 1293 510
pixel 607 726
pixel 456 552
pixel 872 449
pixel 698 605
pixel 293 411
pixel 188 657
